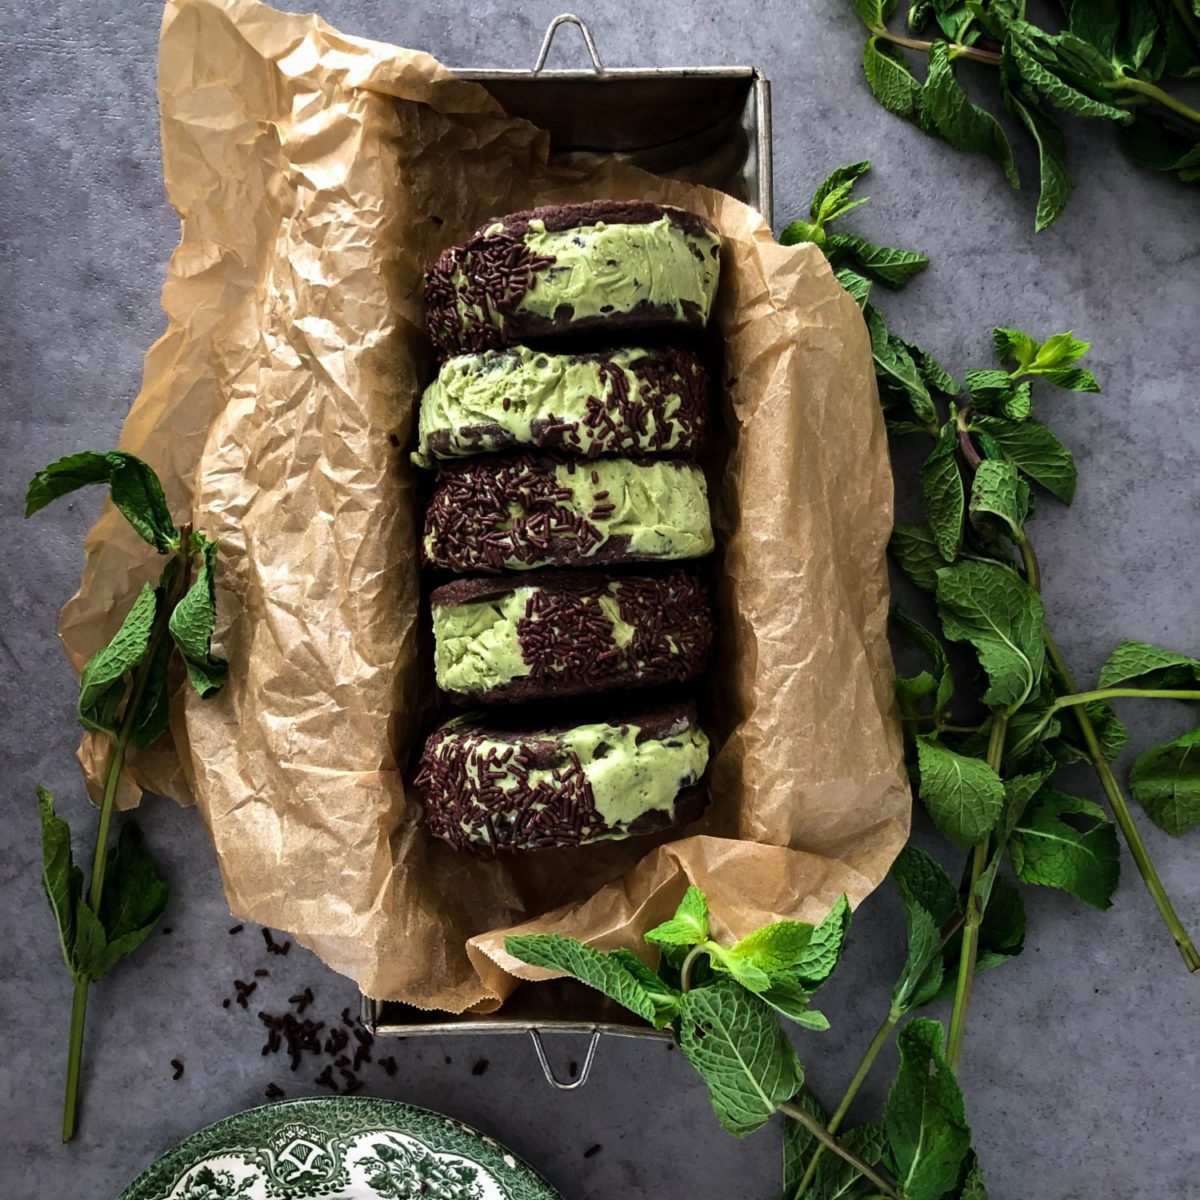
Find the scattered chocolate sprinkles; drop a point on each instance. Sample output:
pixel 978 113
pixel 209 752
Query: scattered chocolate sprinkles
pixel 274 1091
pixel 593 1150
pixel 388 1064
pixel 176 1069
pixel 237 929
pixel 480 1067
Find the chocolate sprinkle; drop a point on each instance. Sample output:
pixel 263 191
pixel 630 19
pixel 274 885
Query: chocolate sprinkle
pixel 274 1091
pixel 177 1069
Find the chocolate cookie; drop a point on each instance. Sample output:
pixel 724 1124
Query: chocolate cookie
pixel 568 633
pixel 625 401
pixel 489 785
pixel 546 510
pixel 608 266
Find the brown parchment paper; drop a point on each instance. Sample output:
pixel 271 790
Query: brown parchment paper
pixel 316 176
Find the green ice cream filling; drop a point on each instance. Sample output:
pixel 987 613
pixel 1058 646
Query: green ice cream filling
pixel 516 388
pixel 627 778
pixel 662 507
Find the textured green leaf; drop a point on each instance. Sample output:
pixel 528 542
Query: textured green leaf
pixel 689 925
pixel 939 683
pixel 989 389
pixel 1057 90
pixel 962 795
pixel 886 264
pixel 1019 791
pixel 924 1118
pixel 875 13
pixel 835 1178
pixel 1036 451
pixel 1159 147
pixel 664 997
pixel 1096 21
pixel 1048 850
pixel 947 111
pixel 890 80
pixel 859 286
pixel 1002 617
pixel 192 624
pixel 1071 379
pixel 799 1144
pixel 737 1044
pixel 998 493
pixel 935 375
pixel 61 878
pixel 917 555
pixel 798 232
pixel 89 956
pixel 791 999
pixel 134 895
pixel 922 881
pixel 895 368
pixel 1019 406
pixel 154 709
pixel 1060 350
pixel 133 486
pixel 816 962
pixel 929 900
pixel 102 684
pixel 570 957
pixel 973 1187
pixel 1056 185
pixel 1014 344
pixel 832 197
pixel 1165 781
pixel 942 487
pixel 1140 665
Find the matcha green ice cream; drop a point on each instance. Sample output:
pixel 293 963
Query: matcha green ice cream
pixel 625 401
pixel 605 266
pixel 489 786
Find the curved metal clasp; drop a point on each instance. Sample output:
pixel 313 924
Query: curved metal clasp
pixel 588 41
pixel 552 1079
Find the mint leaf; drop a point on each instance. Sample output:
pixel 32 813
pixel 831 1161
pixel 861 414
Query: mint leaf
pixel 133 486
pixel 570 957
pixel 924 1118
pixel 102 684
pixel 1046 849
pixel 939 683
pixel 736 1043
pixel 689 925
pixel 88 955
pixel 1056 89
pixel 134 896
pixel 973 1186
pixel 922 880
pixel 817 960
pixel 775 947
pixel 192 624
pixel 730 962
pixel 890 80
pixel 932 372
pixel 989 389
pixel 1002 617
pixel 886 264
pixel 799 1144
pixel 664 997
pixel 1037 452
pixel 875 13
pixel 1056 184
pixel 799 232
pixel 1000 495
pixel 1018 792
pixel 790 998
pixel 1014 344
pixel 922 973
pixel 962 795
pixel 61 878
pixel 946 110
pixel 154 710
pixel 895 368
pixel 857 285
pixel 832 197
pixel 1140 665
pixel 1165 781
pixel 942 487
pixel 835 1178
pixel 916 553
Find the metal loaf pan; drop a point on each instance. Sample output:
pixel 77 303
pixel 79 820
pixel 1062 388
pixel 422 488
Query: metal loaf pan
pixel 709 125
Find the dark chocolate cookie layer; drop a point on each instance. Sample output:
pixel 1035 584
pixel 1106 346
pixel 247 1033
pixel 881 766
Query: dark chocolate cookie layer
pixel 578 633
pixel 491 786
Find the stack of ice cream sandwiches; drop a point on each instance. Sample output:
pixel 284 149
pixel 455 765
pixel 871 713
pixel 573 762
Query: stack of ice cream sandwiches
pixel 567 512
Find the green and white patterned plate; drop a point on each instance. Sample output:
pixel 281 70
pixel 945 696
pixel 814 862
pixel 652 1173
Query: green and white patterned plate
pixel 344 1148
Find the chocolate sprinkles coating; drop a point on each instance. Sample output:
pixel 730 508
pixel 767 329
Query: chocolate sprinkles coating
pixel 473 291
pixel 568 639
pixel 463 768
pixel 493 514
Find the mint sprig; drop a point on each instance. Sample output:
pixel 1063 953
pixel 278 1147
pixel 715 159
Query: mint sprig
pixel 1111 63
pixel 124 694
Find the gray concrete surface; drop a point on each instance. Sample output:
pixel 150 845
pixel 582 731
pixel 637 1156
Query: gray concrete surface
pixel 1081 1066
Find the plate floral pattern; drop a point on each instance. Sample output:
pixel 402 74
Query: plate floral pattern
pixel 345 1148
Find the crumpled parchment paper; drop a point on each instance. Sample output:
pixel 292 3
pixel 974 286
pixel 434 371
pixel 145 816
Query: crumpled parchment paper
pixel 316 177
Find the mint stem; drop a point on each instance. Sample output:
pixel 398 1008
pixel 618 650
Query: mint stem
pixel 112 777
pixel 685 971
pixel 1130 83
pixel 877 1043
pixel 1116 693
pixel 1123 816
pixel 957 49
pixel 974 919
pixel 814 1126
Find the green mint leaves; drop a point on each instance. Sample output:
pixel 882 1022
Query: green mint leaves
pixel 1111 64
pixel 688 927
pixel 94 942
pixel 133 487
pixel 124 694
pixel 1165 781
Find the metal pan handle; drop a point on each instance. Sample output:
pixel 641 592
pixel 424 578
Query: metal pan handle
pixel 535 1036
pixel 588 41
